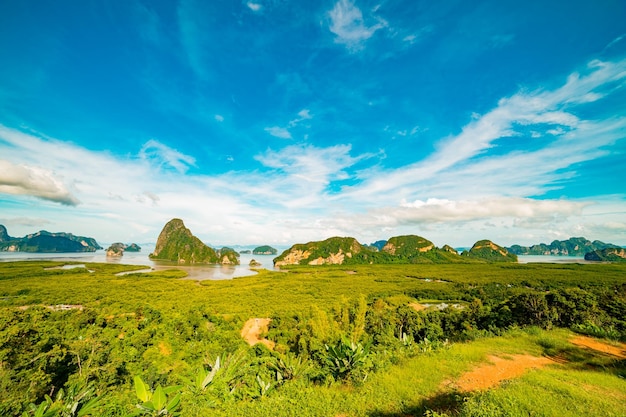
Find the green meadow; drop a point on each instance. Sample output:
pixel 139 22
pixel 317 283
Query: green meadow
pixel 361 340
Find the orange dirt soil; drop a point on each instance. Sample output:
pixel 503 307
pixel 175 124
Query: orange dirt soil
pixel 417 306
pixel 618 350
pixel 489 375
pixel 253 329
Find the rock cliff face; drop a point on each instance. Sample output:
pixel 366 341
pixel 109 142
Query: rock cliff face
pixel 450 249
pixel 133 247
pixel 116 250
pixel 44 241
pixel 336 251
pixel 607 255
pixel 574 246
pixel 416 249
pixel 177 243
pixel 4 235
pixel 488 251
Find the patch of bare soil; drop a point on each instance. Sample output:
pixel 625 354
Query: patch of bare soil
pixel 490 375
pixel 252 330
pixel 618 350
pixel 417 306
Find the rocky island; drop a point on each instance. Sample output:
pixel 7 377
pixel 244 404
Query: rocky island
pixel 117 249
pixel 574 246
pixel 46 242
pixel 264 250
pixel 176 243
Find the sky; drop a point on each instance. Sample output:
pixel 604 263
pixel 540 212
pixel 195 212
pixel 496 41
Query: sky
pixel 281 122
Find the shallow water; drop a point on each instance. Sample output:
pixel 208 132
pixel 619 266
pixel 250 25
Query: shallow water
pixel 524 259
pixel 195 272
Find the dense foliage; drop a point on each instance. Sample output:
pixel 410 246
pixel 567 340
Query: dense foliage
pixel 88 339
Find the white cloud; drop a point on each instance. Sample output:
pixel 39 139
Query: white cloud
pixel 28 222
pixel 255 7
pixel 442 210
pixel 284 132
pixel 194 38
pixel 461 193
pixel 348 25
pixel 305 114
pixel 219 117
pixel 165 157
pixel 310 163
pixel 34 181
pixel 279 132
pixel 466 155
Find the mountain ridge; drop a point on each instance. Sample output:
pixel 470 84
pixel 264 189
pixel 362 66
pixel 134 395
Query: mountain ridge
pixel 47 242
pixel 574 246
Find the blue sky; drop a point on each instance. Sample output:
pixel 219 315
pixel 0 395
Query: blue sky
pixel 275 122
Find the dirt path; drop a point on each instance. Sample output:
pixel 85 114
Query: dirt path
pixel 618 350
pixel 500 369
pixel 253 329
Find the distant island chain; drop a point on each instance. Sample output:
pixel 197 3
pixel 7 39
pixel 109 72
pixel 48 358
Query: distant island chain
pixel 177 243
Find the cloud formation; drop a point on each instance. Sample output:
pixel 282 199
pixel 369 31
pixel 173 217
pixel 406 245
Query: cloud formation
pixel 279 132
pixel 165 157
pixel 255 7
pixel 348 25
pixel 466 155
pixel 441 210
pixel 34 181
pixel 306 192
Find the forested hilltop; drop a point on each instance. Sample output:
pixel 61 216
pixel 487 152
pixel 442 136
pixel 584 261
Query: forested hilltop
pixel 408 249
pixel 176 243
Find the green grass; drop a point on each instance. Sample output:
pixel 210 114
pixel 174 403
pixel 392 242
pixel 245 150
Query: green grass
pixel 164 328
pixel 422 383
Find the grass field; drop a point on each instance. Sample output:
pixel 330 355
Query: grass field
pixel 349 341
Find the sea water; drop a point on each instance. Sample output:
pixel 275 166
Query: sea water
pixel 195 272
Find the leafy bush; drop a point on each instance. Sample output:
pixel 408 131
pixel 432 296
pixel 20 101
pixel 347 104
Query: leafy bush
pixel 345 358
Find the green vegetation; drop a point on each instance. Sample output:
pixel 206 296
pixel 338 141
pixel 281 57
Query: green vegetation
pixel 349 340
